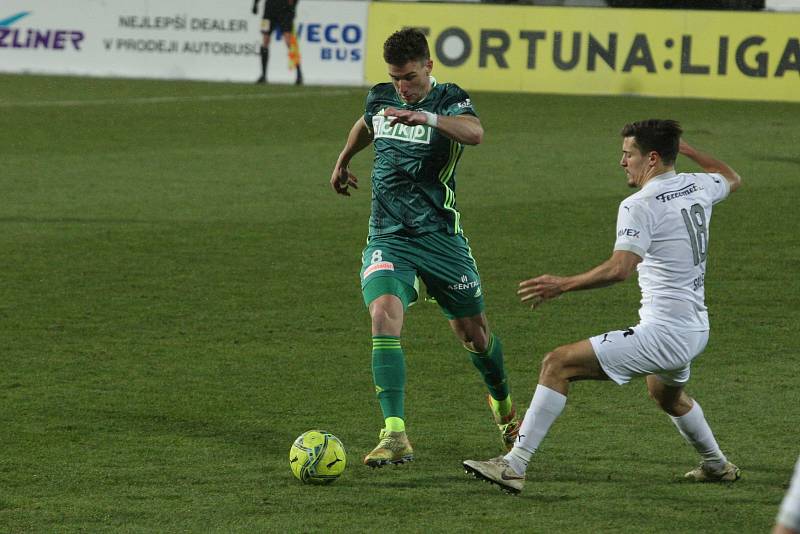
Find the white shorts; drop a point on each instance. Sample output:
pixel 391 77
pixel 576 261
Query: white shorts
pixel 649 349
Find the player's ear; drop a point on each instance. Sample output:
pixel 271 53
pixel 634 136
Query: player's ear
pixel 653 158
pixel 428 66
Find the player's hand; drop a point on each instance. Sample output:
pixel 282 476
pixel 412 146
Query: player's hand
pixel 342 179
pixel 405 116
pixel 535 291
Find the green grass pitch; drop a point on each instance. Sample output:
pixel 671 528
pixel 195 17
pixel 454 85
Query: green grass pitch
pixel 180 300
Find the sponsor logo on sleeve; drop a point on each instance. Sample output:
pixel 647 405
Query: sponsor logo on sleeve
pixel 629 232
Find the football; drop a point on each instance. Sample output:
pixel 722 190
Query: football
pixel 317 457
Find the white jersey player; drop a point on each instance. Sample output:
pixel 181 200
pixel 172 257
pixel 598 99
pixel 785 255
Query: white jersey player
pixel 788 521
pixel 663 232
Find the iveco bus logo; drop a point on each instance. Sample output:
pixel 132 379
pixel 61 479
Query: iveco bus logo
pixel 336 42
pixel 33 38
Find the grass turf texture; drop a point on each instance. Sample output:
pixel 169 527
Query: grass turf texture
pixel 180 301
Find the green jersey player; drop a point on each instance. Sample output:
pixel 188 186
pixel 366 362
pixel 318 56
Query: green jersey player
pixel 419 128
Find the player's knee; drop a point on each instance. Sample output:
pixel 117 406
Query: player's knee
pixel 386 318
pixel 477 341
pixel 552 365
pixel 671 404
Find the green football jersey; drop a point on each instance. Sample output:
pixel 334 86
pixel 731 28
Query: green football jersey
pixel 414 172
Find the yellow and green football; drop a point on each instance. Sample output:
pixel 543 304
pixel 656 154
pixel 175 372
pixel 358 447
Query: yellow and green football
pixel 317 457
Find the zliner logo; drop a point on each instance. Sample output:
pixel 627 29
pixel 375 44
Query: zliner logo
pixel 31 38
pixel 413 134
pixel 465 104
pixel 682 192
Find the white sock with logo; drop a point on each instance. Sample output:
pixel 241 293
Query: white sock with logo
pixel 545 407
pixel 695 430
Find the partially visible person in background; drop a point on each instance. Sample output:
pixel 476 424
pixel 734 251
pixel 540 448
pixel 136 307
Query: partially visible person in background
pixel 279 14
pixel 788 521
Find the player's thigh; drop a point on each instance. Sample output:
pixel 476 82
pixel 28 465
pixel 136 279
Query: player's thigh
pixel 576 361
pixel 388 268
pixel 451 275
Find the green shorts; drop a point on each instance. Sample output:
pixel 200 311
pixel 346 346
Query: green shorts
pixel 444 262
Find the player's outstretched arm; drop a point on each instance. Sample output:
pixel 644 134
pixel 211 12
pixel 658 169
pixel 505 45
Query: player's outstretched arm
pixel 357 140
pixel 617 268
pixel 711 164
pixel 466 129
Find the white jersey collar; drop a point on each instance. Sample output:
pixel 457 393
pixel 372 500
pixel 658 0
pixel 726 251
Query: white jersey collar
pixel 661 177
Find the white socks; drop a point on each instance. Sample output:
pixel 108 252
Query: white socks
pixel 548 404
pixel 545 407
pixel 695 430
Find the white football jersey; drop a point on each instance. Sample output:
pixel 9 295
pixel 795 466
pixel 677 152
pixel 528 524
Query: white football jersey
pixel 667 224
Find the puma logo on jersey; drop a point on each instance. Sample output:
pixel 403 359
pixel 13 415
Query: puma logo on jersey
pixel 382 127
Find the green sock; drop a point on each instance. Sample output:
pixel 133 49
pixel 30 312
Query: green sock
pixel 394 424
pixel 389 374
pixel 490 365
pixel 503 407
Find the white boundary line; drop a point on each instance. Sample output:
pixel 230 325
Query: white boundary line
pixel 171 99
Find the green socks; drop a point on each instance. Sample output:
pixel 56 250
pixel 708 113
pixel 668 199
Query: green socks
pixel 389 374
pixel 490 365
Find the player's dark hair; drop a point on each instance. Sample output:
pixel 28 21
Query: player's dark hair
pixel 656 135
pixel 408 44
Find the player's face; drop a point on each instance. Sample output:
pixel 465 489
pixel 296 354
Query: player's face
pixel 412 80
pixel 637 165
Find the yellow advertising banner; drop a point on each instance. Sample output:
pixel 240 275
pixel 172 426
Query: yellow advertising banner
pixel 603 51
